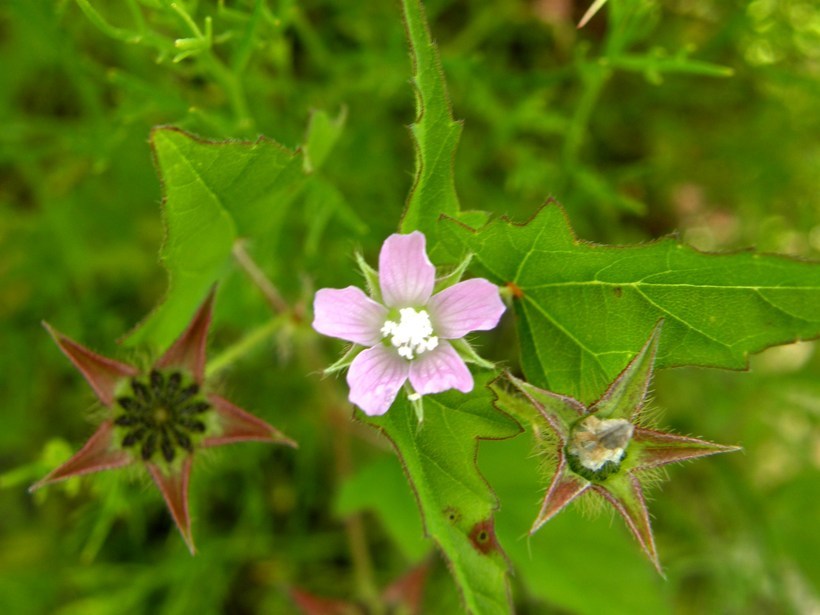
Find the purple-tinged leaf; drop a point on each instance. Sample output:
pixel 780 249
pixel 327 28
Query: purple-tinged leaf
pixel 657 448
pixel 565 488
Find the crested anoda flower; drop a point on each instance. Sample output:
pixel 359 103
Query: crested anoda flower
pixel 159 417
pixel 410 334
pixel 605 448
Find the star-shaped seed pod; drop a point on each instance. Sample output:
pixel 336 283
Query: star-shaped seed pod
pixel 159 417
pixel 604 448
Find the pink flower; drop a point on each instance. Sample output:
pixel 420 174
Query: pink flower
pixel 409 331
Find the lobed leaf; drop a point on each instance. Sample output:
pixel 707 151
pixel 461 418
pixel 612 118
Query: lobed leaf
pixel 214 193
pixel 435 133
pixel 457 504
pixel 584 310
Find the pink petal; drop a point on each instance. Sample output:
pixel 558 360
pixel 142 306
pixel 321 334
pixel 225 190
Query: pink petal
pixel 375 377
pixel 348 314
pixel 241 426
pixel 439 370
pixel 188 351
pixel 98 453
pixel 406 275
pixel 102 373
pixel 472 305
pixel 174 488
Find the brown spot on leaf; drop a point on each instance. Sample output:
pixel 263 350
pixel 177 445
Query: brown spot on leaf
pixel 483 537
pixel 515 290
pixel 618 291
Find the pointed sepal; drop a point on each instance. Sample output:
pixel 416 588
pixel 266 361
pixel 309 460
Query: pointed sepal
pixel 99 453
pixel 657 448
pixel 344 362
pixel 559 411
pixel 466 351
pixel 173 484
pixel 308 604
pixel 454 277
pixel 371 278
pixel 103 374
pixel 405 594
pixel 188 351
pixel 238 425
pixel 626 496
pixel 565 487
pixel 625 397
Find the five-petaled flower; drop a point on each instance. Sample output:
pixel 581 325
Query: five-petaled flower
pixel 159 417
pixel 409 332
pixel 604 448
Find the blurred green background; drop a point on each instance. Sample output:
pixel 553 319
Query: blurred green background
pixel 701 116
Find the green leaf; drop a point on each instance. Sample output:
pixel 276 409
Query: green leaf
pixel 456 503
pixel 435 133
pixel 214 193
pixel 322 134
pixel 585 310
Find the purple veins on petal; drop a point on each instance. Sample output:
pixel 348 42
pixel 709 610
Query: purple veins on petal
pixel 406 275
pixel 472 305
pixel 439 370
pixel 348 314
pixel 375 377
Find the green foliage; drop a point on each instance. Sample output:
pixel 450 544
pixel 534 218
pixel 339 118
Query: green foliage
pixel 658 115
pixel 585 309
pixel 215 193
pixel 457 505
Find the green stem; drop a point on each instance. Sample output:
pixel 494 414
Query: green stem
pixel 219 72
pixel 114 32
pixel 272 295
pixel 245 345
pixel 593 77
pixel 233 88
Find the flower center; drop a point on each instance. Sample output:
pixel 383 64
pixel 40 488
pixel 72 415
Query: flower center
pixel 596 447
pixel 412 335
pixel 163 414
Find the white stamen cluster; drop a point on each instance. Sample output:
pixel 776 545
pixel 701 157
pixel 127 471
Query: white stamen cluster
pixel 412 335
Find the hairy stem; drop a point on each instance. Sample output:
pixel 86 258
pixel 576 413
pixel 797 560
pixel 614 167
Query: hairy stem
pixel 272 295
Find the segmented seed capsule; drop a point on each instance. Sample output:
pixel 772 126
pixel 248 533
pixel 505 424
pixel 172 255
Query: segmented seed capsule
pixel 162 416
